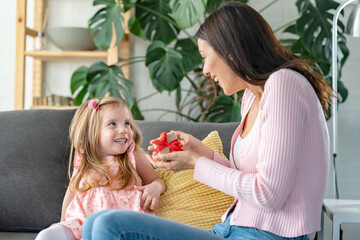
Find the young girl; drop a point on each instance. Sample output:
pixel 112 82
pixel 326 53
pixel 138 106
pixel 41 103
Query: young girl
pixel 109 168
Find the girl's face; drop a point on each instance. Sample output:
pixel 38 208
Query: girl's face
pixel 116 134
pixel 218 70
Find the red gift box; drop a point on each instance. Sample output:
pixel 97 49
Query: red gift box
pixel 167 143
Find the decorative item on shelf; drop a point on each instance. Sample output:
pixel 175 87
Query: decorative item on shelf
pixel 40 38
pixel 71 38
pixel 53 100
pixel 39 101
pixel 353 29
pixel 56 100
pixel 39 41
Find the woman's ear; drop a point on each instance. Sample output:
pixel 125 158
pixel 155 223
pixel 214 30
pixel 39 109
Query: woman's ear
pixel 231 58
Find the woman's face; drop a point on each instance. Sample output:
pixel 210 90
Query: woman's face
pixel 216 68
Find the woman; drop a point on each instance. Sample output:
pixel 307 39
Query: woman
pixel 279 154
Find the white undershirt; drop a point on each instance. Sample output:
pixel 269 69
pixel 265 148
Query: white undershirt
pixel 241 143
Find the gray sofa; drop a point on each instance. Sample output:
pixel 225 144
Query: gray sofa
pixel 34 150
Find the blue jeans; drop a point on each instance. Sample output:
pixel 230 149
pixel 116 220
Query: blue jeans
pixel 122 224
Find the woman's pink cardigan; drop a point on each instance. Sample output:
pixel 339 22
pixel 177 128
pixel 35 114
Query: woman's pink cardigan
pixel 282 177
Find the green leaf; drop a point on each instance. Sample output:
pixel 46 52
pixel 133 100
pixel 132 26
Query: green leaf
pixel 102 88
pixel 154 17
pixel 327 5
pixel 225 109
pixel 187 12
pixel 214 4
pixel 314 31
pixel 102 79
pixel 135 111
pixel 308 34
pixel 129 4
pixel 79 85
pixel 318 47
pixel 135 27
pixel 165 66
pixel 101 24
pixel 298 47
pixel 291 29
pixel 178 97
pixel 342 90
pixel 190 54
pixel 343 50
pixel 314 24
pixel 328 50
pixel 78 79
pixel 81 96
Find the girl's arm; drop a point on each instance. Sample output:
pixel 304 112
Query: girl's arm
pixel 153 185
pixel 69 196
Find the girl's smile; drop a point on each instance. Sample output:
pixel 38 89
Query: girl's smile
pixel 116 134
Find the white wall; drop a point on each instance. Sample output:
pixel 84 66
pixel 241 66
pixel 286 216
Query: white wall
pixel 76 13
pixel 65 13
pixel 56 74
pixel 7 53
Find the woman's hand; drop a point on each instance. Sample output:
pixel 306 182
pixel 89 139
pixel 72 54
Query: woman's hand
pixel 190 143
pixel 151 194
pixel 175 161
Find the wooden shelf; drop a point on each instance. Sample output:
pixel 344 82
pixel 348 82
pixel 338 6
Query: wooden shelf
pixel 67 55
pixel 111 56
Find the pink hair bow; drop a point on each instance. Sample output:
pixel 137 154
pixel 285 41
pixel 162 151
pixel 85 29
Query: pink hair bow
pixel 93 103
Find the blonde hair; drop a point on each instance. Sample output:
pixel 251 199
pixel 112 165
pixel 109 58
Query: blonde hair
pixel 84 137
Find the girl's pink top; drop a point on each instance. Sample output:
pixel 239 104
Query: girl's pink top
pixel 95 199
pixel 281 177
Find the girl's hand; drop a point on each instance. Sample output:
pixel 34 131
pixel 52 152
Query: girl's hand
pixel 175 161
pixel 151 194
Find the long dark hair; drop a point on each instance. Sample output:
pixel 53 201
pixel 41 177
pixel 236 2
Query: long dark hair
pixel 243 38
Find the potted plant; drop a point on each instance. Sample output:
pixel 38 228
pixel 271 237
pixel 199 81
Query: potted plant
pixel 171 59
pixel 314 39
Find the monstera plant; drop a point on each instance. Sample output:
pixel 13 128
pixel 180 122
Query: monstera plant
pixel 314 38
pixel 172 58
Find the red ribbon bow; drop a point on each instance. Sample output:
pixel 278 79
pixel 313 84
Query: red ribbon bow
pixel 162 143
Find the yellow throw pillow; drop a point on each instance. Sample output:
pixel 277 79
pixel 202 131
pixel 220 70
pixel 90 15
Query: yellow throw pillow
pixel 192 202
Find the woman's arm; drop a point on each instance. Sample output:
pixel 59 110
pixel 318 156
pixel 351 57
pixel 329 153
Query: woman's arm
pixel 193 148
pixel 284 112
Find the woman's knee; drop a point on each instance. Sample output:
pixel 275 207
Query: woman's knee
pixel 89 223
pixel 105 223
pixel 118 219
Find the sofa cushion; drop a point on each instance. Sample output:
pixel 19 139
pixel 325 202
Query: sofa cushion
pixel 34 151
pixel 192 202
